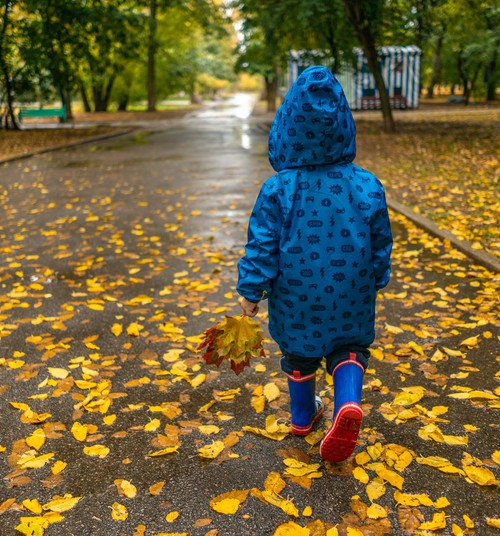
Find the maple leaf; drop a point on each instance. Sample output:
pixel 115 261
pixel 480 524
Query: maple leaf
pixel 236 339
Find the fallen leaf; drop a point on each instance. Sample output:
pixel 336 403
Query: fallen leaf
pixel 100 451
pixel 119 512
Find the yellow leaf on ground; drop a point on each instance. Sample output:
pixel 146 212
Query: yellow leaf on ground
pixel 119 512
pixel 409 396
pixel 375 511
pixel 58 373
pixel 480 475
pixel 438 522
pixel 470 342
pixel 171 517
pixel 376 489
pixel 209 429
pixel 390 476
pixel 453 353
pixel 53 517
pixel 152 425
pixel 198 380
pixel 258 403
pixel 125 488
pixel 58 467
pixel 315 437
pixel 493 522
pixel 134 329
pixel 109 419
pixel 79 431
pixel 100 451
pixel 416 347
pixel 360 474
pixel 117 330
pixel 274 482
pixel 441 503
pixel 290 528
pixel 36 439
pixel 468 521
pixel 298 468
pixel 212 450
pixel 271 391
pixel 33 505
pixel 415 499
pixel 32 526
pixel 61 505
pixel 278 435
pixel 229 502
pixel 431 432
pixel 394 330
pixel 155 489
pixel 163 452
pixel 84 384
pixel 475 394
pixel 29 461
pixel 362 458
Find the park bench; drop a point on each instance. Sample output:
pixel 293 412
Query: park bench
pixel 30 113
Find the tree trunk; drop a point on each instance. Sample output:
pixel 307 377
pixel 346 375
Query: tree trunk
pixel 436 67
pixel 66 100
pixel 491 87
pixel 99 99
pixel 367 40
pixel 10 116
pixel 123 103
pixel 109 87
pixel 463 77
pixel 85 99
pixel 271 91
pixel 152 57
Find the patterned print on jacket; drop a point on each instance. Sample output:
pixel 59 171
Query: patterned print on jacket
pixel 319 236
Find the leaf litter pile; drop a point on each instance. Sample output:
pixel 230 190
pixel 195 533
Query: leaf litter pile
pixel 446 170
pixel 112 422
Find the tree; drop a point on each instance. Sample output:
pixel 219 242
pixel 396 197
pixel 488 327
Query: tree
pixel 152 46
pixel 365 17
pixel 265 45
pixel 207 13
pixel 5 67
pixel 466 39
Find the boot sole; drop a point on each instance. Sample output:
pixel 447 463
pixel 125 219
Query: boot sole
pixel 341 438
pixel 306 430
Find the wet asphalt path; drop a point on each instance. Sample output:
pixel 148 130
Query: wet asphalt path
pixel 123 232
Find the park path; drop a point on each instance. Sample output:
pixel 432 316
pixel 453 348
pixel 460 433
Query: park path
pixel 116 255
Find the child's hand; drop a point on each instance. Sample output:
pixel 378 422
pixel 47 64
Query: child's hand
pixel 249 308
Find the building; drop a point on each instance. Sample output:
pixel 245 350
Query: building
pixel 400 69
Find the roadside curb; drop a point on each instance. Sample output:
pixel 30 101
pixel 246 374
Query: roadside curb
pixel 91 139
pixel 481 257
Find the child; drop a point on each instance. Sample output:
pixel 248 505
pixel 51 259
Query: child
pixel 319 245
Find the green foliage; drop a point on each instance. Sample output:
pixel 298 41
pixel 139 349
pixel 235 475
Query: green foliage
pixel 458 38
pixel 56 49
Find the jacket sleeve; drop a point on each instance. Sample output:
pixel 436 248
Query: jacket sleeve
pixel 381 242
pixel 259 267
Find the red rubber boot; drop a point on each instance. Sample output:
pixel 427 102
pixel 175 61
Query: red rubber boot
pixel 305 406
pixel 340 439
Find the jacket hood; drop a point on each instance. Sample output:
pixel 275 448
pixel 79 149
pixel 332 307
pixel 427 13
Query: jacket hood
pixel 313 125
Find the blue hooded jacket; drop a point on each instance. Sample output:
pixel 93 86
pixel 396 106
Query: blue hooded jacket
pixel 319 236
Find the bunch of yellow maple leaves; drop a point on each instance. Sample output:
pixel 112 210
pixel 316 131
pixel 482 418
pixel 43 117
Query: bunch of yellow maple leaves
pixel 236 339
